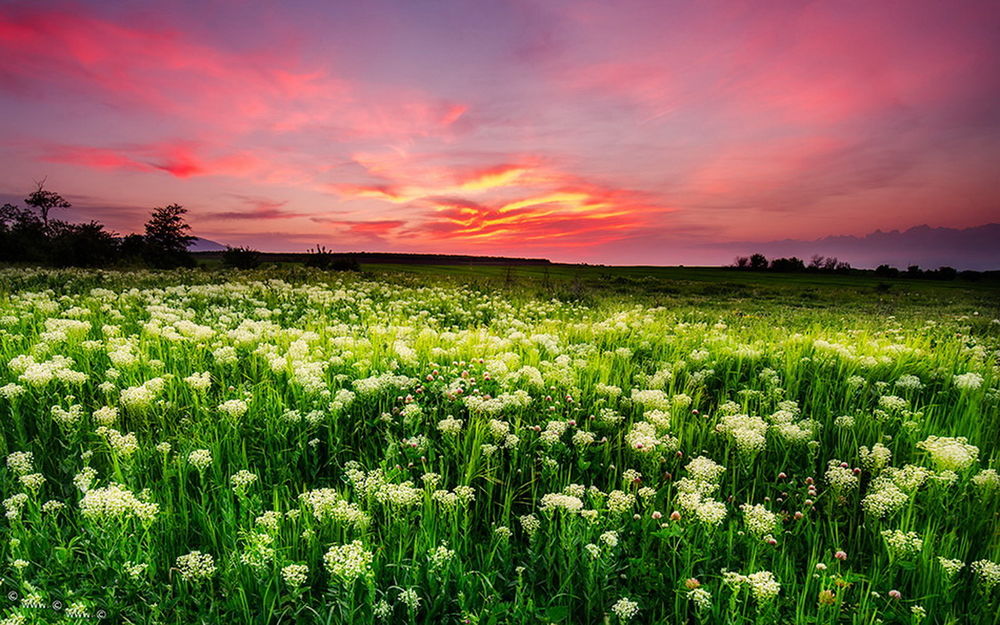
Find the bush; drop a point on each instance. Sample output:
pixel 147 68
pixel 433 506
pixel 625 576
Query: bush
pixel 241 258
pixel 321 258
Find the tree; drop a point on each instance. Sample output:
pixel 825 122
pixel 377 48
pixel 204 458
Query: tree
pixel 23 237
pixel 788 265
pixel 132 249
pixel 758 262
pixel 886 271
pixel 44 201
pixel 167 238
pixel 742 262
pixel 947 273
pixel 82 245
pixel 816 262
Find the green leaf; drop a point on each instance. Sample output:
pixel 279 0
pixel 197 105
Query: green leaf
pixel 557 613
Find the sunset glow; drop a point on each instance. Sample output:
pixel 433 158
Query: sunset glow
pixel 625 132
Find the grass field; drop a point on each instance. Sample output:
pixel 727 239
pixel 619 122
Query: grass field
pixel 427 444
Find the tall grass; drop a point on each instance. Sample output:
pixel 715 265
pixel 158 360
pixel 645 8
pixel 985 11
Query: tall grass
pixel 358 450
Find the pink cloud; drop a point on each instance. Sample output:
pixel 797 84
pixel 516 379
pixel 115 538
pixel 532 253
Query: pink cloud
pixel 257 208
pixel 166 72
pixel 579 126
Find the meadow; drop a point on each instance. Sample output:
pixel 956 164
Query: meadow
pixel 482 446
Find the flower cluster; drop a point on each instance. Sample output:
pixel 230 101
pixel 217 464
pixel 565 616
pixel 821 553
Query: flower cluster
pixel 748 433
pixel 625 609
pixel 694 492
pixel 233 408
pixel 242 479
pixel 295 575
pixel 760 521
pixel 950 454
pixel 327 504
pixel 553 501
pixel 348 562
pixel 968 381
pixel 115 502
pixel 840 477
pixel 987 573
pixel 200 459
pixel 902 544
pixel 196 566
pixel 21 462
pixel 763 585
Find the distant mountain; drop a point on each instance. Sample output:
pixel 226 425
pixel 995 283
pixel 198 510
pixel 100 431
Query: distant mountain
pixel 967 248
pixel 205 245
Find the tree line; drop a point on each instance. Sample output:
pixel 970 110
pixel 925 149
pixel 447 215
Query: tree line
pixel 31 234
pixel 817 264
pixel 831 264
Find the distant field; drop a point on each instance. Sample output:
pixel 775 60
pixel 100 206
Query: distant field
pixel 418 443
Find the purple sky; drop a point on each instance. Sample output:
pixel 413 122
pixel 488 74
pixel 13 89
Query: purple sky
pixel 623 132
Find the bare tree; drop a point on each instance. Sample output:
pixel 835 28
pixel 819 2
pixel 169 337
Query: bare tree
pixel 44 201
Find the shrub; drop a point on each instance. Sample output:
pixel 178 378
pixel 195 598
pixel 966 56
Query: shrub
pixel 241 258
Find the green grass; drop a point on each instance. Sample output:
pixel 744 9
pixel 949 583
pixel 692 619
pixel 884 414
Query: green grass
pixel 432 444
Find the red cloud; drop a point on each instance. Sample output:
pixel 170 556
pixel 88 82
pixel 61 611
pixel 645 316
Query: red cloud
pixel 179 159
pixel 96 158
pixel 576 215
pixel 516 203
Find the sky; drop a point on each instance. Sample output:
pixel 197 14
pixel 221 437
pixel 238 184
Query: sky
pixel 606 132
